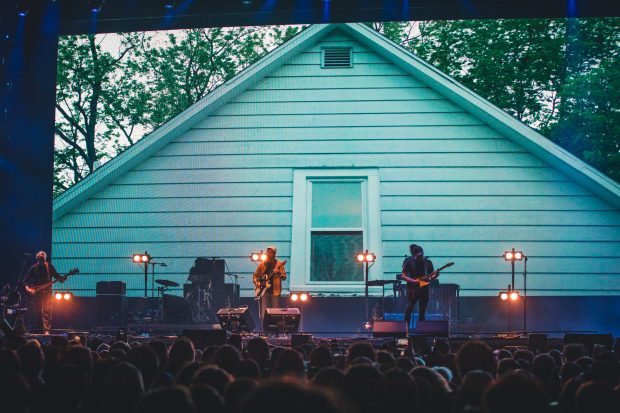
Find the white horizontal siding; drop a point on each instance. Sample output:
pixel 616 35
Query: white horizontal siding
pixel 448 182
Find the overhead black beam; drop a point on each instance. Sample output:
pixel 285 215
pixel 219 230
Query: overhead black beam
pixel 134 15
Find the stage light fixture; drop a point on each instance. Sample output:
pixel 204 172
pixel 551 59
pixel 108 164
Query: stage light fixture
pixel 258 256
pixel 95 6
pixel 511 295
pixel 169 5
pixel 247 3
pixel 367 257
pixel 141 258
pixel 300 297
pixel 513 255
pixel 58 296
pixel 23 8
pixel 67 296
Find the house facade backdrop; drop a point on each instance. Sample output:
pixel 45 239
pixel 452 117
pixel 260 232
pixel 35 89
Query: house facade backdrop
pixel 340 141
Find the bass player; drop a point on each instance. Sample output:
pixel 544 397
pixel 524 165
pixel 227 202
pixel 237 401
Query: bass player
pixel 41 272
pixel 268 279
pixel 414 268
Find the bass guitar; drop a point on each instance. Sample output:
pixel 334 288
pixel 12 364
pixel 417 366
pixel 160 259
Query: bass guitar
pixel 426 280
pixel 33 290
pixel 266 280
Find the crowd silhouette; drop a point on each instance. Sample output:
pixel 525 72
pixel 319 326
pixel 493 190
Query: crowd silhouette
pixel 119 377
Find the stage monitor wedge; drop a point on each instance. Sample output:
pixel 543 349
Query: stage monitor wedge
pixel 281 320
pixel 236 320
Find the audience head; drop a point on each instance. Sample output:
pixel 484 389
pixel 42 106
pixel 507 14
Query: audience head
pixel 180 354
pixel 215 377
pixel 257 349
pixel 475 355
pixel 360 350
pixel 227 357
pixel 175 399
pixel 291 396
pixel 515 392
pixel 290 363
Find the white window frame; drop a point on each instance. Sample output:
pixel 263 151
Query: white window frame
pixel 302 226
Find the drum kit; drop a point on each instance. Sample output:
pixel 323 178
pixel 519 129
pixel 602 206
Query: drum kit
pixel 203 294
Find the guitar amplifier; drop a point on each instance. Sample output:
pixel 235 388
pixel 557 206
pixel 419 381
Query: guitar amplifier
pixel 111 288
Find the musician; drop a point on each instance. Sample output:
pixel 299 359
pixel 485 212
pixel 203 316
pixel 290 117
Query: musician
pixel 39 273
pixel 414 268
pixel 273 270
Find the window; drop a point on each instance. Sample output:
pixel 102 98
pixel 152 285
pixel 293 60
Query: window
pixel 335 215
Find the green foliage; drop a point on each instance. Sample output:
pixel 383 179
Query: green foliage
pixel 556 75
pixel 114 89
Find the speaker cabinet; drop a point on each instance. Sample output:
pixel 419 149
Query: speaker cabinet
pixel 111 310
pixel 435 328
pixel 538 342
pixel 111 288
pixel 236 320
pixel 389 329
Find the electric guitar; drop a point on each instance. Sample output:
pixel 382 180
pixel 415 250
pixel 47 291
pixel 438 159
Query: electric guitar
pixel 426 280
pixel 264 283
pixel 33 291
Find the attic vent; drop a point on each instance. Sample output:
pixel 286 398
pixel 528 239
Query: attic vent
pixel 337 57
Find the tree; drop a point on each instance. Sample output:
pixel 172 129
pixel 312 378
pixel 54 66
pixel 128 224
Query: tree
pixel 109 99
pixel 192 63
pixel 90 84
pixel 556 75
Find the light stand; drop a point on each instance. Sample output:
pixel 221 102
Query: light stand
pixel 144 259
pixel 525 294
pixel 367 258
pixel 512 294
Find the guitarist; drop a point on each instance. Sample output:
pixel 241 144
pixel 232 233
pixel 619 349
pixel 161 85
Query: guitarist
pixel 414 268
pixel 270 272
pixel 39 273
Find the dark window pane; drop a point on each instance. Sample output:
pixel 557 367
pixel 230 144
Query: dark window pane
pixel 333 256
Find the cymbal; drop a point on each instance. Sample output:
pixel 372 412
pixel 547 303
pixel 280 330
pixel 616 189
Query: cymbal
pixel 167 283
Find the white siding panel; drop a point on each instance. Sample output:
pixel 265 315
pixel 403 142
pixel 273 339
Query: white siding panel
pixel 353 81
pixel 329 120
pixel 572 218
pixel 338 95
pixel 310 147
pixel 447 132
pixel 486 203
pixel 451 250
pixel 306 108
pixel 327 159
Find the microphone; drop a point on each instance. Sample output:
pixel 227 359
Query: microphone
pixel 28 255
